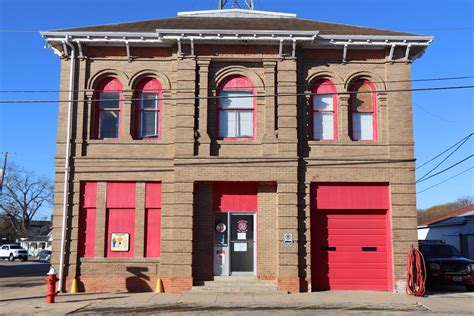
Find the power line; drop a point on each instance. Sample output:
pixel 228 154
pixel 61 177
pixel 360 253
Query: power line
pixel 251 87
pixel 444 170
pixel 467 137
pixel 446 180
pixel 442 161
pixel 243 96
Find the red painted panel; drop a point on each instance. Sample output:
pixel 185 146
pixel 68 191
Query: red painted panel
pixel 153 195
pixel 88 194
pixel 120 221
pixel 235 197
pixel 153 233
pixel 121 195
pixel 87 228
pixel 349 267
pixel 87 220
pixel 352 197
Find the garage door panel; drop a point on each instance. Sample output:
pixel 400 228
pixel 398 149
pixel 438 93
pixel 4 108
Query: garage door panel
pixel 346 265
pixel 353 274
pixel 360 240
pixel 357 231
pixel 380 264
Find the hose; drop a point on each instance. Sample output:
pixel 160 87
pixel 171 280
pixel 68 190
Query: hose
pixel 416 273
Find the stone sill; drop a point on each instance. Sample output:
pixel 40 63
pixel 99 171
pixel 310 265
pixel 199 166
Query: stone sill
pixel 120 260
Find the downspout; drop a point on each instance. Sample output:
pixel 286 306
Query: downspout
pixel 66 163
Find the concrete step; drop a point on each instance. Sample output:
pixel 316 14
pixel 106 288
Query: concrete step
pixel 237 284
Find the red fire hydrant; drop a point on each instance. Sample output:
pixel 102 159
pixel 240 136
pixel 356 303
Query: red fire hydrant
pixel 51 280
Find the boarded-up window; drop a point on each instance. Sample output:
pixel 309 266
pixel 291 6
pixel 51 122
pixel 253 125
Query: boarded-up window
pixel 87 220
pixel 152 220
pixel 362 101
pixel 120 229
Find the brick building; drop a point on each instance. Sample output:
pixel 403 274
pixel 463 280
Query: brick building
pixel 234 142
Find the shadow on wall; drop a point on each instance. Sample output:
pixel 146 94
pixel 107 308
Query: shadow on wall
pixel 139 281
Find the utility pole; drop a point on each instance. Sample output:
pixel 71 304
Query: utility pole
pixel 3 170
pixel 245 4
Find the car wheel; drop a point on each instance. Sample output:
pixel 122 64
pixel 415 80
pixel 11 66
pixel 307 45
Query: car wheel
pixel 11 258
pixel 470 287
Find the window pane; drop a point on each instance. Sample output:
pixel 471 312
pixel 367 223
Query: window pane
pixel 227 126
pixel 110 100
pixel 149 101
pixel 236 100
pixel 362 126
pixel 148 124
pixel 109 124
pixel 245 124
pixel 323 125
pixel 323 102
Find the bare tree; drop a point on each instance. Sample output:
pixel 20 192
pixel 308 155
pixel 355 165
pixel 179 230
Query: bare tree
pixel 24 193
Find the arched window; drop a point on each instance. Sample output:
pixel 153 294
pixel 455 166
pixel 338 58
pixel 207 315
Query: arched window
pixel 236 108
pixel 148 109
pixel 107 111
pixel 323 111
pixel 363 114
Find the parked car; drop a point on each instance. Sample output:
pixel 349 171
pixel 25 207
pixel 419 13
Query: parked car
pixel 446 266
pixel 12 252
pixel 44 255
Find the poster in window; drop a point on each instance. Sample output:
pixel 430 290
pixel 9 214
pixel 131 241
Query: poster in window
pixel 120 242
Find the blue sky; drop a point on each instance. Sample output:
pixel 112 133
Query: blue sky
pixel 441 118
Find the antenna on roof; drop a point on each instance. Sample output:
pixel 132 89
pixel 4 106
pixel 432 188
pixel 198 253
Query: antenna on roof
pixel 237 4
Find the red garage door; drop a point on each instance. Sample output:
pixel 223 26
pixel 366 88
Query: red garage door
pixel 351 246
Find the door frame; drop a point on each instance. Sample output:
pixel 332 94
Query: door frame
pixel 229 215
pixel 254 272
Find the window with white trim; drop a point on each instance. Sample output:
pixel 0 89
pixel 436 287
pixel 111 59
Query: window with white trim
pixel 324 120
pixel 363 115
pixel 236 109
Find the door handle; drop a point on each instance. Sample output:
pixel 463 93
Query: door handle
pixel 328 248
pixel 369 248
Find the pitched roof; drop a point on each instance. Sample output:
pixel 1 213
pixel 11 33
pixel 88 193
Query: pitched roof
pixel 236 23
pixel 458 212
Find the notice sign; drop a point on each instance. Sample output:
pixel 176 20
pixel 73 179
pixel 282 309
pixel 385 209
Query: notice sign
pixel 240 247
pixel 120 242
pixel 288 239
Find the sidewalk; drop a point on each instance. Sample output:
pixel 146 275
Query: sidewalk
pixel 32 301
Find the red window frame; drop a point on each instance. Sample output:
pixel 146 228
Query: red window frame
pixel 147 85
pixel 152 220
pixel 87 220
pixel 111 85
pixel 324 86
pixel 120 216
pixel 353 88
pixel 237 83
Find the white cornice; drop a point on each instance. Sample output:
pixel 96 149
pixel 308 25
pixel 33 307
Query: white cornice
pixel 237 13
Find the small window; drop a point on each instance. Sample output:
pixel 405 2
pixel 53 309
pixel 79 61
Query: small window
pixel 109 95
pixel 148 109
pixel 236 109
pixel 324 111
pixel 363 118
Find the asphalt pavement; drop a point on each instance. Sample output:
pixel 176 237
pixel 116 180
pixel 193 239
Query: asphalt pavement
pixel 27 268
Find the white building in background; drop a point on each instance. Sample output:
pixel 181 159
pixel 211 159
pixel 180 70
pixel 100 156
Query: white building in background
pixel 455 228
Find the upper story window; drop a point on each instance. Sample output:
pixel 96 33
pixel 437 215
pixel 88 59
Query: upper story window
pixel 236 109
pixel 323 111
pixel 108 106
pixel 148 109
pixel 363 114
